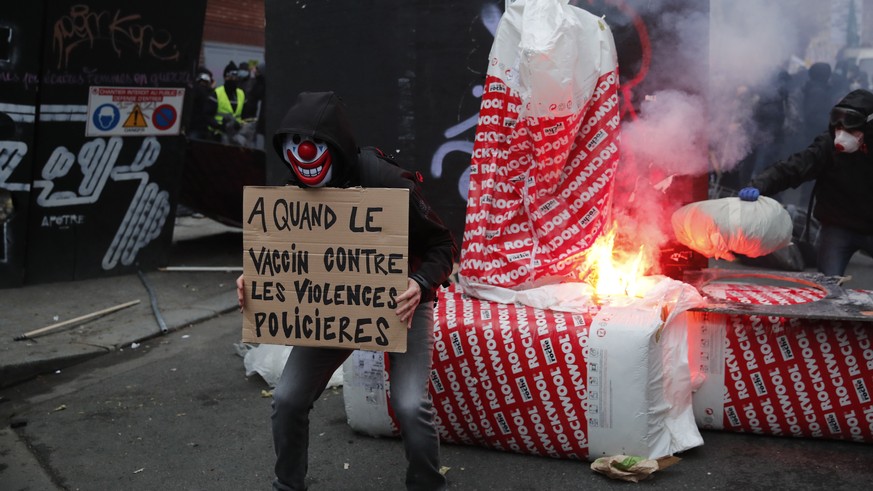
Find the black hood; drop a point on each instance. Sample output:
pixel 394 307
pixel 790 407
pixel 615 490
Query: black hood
pixel 862 101
pixel 819 72
pixel 322 115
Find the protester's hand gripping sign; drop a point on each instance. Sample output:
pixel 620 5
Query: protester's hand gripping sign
pixel 324 267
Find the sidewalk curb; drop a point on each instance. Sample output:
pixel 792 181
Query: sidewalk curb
pixel 196 313
pixel 87 349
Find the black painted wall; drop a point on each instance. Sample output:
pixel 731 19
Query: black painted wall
pixel 94 206
pixel 411 72
pixel 20 44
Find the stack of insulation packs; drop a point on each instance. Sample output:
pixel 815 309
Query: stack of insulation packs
pixel 525 361
pixel 784 376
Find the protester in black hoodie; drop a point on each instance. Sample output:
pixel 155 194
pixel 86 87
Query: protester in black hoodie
pixel 315 141
pixel 255 108
pixel 840 161
pixel 818 97
pixel 203 106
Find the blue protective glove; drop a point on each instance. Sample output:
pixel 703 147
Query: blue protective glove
pixel 749 194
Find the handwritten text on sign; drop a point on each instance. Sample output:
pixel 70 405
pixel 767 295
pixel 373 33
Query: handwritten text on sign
pixel 324 267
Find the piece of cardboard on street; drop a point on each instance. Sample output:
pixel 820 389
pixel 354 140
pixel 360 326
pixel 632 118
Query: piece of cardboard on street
pixel 323 266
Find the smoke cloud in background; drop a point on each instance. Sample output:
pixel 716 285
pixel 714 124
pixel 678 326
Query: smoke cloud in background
pixel 739 45
pixel 718 62
pixel 751 42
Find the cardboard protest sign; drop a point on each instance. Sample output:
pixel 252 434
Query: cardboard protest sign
pixel 324 266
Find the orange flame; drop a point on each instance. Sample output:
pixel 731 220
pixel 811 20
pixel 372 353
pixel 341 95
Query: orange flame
pixel 614 272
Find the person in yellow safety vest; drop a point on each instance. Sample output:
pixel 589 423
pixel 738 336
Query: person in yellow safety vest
pixel 230 99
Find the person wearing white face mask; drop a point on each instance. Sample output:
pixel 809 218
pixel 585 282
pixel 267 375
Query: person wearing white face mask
pixel 841 163
pixel 847 141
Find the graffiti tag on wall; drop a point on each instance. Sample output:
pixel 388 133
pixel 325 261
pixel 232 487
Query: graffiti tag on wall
pixel 126 34
pixel 97 162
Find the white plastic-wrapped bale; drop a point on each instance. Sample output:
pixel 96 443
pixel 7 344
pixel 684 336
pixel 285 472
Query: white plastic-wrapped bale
pixel 546 148
pixel 720 228
pixel 611 380
pixel 778 375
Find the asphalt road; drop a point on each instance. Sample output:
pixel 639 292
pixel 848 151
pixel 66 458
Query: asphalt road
pixel 178 413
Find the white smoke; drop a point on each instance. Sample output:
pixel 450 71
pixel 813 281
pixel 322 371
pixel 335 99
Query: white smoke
pixel 721 63
pixel 748 43
pixel 667 134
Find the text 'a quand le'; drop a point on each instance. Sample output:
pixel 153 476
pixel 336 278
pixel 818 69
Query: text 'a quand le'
pixel 301 215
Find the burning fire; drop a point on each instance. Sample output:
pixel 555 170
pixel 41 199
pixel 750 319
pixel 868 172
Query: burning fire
pixel 613 272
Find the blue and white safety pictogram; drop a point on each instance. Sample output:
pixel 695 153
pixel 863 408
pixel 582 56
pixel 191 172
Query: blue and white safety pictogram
pixel 106 117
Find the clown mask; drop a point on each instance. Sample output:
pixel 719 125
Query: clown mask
pixel 309 159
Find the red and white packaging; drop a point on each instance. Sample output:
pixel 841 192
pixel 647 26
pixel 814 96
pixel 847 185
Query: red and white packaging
pixel 546 147
pixel 779 375
pixel 612 380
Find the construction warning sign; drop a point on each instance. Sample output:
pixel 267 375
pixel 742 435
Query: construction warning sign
pixel 135 119
pixel 134 111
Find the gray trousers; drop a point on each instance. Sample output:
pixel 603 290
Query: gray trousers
pixel 307 373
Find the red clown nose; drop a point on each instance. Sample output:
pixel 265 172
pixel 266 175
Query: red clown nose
pixel 307 150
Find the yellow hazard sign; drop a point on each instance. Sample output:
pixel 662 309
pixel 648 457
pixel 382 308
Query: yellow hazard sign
pixel 135 119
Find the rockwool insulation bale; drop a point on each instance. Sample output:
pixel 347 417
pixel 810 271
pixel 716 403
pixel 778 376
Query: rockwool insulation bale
pixel 610 380
pixel 546 147
pixel 779 375
pixel 720 228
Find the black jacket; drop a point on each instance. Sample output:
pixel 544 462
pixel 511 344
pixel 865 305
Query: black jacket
pixel 321 115
pixel 203 108
pixel 844 187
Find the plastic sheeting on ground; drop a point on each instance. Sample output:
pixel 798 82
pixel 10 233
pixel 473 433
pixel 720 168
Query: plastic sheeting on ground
pixel 604 381
pixel 268 361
